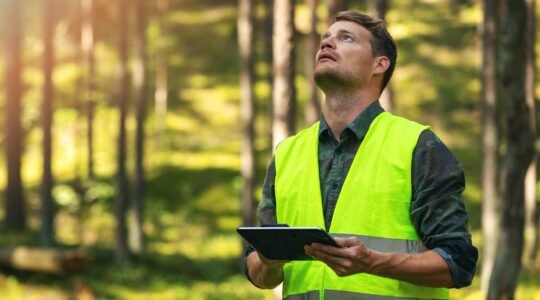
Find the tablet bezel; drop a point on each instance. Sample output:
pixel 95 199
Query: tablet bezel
pixel 284 243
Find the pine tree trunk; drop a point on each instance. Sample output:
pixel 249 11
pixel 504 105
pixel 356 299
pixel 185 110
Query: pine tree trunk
pixel 490 140
pixel 313 108
pixel 284 94
pixel 162 86
pixel 269 59
pixel 245 43
pixel 139 81
pixel 519 146
pixel 87 43
pixel 334 7
pixel 123 96
pixel 531 209
pixel 15 215
pixel 47 203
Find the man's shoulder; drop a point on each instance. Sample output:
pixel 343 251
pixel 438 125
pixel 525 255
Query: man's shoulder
pixel 300 136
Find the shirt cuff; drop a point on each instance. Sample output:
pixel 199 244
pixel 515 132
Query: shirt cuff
pixel 460 277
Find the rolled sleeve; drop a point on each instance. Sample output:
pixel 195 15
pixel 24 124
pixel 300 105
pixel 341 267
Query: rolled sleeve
pixel 437 208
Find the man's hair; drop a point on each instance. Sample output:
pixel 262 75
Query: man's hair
pixel 382 43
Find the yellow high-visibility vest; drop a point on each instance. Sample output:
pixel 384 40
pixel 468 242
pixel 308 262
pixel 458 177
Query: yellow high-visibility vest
pixel 373 205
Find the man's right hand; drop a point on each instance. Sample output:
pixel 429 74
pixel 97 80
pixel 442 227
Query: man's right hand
pixel 263 272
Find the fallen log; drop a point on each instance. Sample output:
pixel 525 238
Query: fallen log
pixel 48 260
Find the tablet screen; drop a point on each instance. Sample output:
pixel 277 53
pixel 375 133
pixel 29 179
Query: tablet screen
pixel 284 243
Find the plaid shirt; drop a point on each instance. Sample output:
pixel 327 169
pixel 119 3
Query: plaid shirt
pixel 437 210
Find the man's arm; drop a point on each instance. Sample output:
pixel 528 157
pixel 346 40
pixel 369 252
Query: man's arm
pixel 352 257
pixel 260 271
pixel 264 273
pixel 437 207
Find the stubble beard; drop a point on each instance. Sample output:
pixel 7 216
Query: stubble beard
pixel 334 82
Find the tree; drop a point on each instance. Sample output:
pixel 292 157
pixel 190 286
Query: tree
pixel 490 138
pixel 15 215
pixel 284 93
pixel 335 6
pixel 517 149
pixel 123 95
pixel 531 209
pixel 313 109
pixel 139 81
pixel 87 45
pixel 161 94
pixel 268 28
pixel 47 203
pixel 245 44
pixel 379 8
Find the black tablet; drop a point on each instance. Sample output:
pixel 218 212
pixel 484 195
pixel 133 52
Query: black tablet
pixel 284 243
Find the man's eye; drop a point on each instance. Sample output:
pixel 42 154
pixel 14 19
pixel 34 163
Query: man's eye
pixel 346 38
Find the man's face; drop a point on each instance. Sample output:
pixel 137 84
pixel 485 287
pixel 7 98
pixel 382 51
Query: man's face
pixel 344 57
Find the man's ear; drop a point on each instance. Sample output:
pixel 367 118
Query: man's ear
pixel 382 63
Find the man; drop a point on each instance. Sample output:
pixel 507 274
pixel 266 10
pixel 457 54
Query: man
pixel 386 188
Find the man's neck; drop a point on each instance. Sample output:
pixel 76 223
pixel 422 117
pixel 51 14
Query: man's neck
pixel 340 109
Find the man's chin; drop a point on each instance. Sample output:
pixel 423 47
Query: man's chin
pixel 325 79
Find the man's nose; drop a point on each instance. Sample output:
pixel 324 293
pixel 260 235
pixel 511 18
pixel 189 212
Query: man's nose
pixel 328 42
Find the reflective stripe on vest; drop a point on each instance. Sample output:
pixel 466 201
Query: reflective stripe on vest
pixel 339 295
pixel 373 205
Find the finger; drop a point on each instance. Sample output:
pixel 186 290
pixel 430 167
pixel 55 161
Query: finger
pixel 330 250
pixel 348 242
pixel 328 258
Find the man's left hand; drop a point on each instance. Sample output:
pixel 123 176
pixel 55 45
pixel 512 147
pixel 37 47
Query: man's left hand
pixel 351 257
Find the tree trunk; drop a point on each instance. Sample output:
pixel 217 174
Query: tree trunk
pixel 48 260
pixel 47 203
pixel 379 8
pixel 87 44
pixel 490 139
pixel 519 146
pixel 313 109
pixel 123 95
pixel 531 209
pixel 245 44
pixel 162 86
pixel 269 60
pixel 139 81
pixel 284 94
pixel 15 215
pixel 334 7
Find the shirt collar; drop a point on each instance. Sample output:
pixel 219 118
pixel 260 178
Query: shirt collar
pixel 360 125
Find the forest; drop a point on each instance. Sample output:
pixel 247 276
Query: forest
pixel 136 134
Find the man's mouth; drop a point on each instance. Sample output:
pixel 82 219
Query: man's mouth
pixel 326 56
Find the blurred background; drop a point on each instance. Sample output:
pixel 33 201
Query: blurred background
pixel 136 134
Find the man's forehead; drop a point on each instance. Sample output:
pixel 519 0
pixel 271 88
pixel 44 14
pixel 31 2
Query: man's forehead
pixel 348 26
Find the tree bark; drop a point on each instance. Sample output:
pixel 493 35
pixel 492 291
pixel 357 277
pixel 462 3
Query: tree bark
pixel 139 81
pixel 87 44
pixel 245 43
pixel 47 203
pixel 123 96
pixel 531 209
pixel 490 139
pixel 518 150
pixel 313 109
pixel 284 92
pixel 15 215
